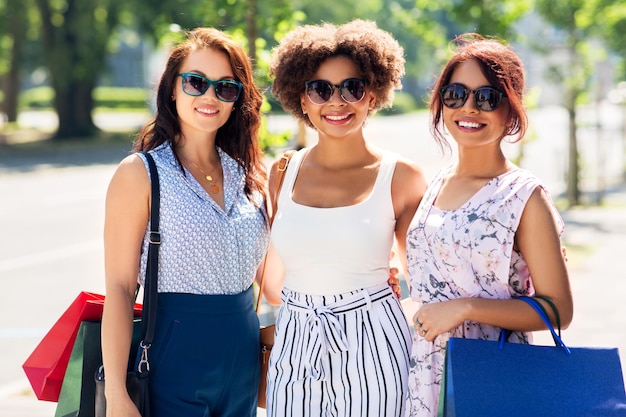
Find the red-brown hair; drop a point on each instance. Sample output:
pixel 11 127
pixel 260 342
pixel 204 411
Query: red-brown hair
pixel 239 135
pixel 502 68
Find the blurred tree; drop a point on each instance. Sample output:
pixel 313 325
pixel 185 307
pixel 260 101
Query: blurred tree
pixel 425 28
pixel 611 16
pixel 75 34
pixel 14 21
pixel 487 17
pixel 575 24
pixel 256 20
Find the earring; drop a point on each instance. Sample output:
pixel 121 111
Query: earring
pixel 173 99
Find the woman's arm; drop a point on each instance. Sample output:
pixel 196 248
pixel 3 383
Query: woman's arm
pixel 407 189
pixel 538 239
pixel 126 218
pixel 272 267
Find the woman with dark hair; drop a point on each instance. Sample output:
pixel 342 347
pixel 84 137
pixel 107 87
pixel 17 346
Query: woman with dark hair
pixel 486 231
pixel 342 341
pixel 214 235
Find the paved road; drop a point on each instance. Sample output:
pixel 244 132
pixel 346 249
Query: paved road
pixel 51 213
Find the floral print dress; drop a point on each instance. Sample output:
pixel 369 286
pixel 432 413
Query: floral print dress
pixel 467 252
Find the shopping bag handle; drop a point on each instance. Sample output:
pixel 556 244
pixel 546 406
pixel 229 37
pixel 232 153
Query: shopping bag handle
pixel 504 334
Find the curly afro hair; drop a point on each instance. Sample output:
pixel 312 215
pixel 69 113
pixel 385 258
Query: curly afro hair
pixel 379 57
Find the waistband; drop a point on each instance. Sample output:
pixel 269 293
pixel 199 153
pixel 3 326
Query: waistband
pixel 206 304
pixel 339 303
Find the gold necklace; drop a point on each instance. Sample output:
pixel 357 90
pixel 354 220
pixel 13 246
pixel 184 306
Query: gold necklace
pixel 214 188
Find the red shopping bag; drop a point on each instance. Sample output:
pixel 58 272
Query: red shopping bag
pixel 45 367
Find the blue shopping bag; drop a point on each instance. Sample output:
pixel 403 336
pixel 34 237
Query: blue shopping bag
pixel 487 378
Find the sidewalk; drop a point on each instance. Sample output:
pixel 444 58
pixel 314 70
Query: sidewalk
pixel 596 240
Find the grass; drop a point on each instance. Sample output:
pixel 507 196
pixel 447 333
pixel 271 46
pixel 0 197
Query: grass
pixel 123 98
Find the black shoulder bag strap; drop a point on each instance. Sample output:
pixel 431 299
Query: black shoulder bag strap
pixel 148 313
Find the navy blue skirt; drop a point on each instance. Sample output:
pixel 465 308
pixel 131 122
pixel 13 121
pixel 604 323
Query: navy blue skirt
pixel 204 359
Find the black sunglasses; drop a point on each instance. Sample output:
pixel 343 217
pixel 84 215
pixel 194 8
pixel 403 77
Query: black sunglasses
pixel 455 95
pixel 196 85
pixel 352 90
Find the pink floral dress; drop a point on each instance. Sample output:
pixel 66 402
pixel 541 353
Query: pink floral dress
pixel 467 252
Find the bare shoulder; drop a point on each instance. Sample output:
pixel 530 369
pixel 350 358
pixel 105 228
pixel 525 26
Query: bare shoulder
pixel 539 203
pixel 409 176
pixel 539 213
pixel 407 189
pixel 130 177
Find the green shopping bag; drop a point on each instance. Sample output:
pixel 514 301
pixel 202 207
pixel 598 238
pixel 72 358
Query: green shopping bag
pixel 78 391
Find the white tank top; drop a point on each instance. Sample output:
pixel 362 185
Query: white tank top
pixel 335 250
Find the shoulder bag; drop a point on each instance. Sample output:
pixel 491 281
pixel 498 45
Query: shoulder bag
pixel 137 379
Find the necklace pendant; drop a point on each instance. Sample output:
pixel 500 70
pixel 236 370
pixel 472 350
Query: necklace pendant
pixel 215 189
pixel 209 178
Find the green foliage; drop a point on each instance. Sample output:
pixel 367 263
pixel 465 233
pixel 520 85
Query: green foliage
pixel 402 103
pixel 37 98
pixel 612 15
pixel 118 97
pixel 79 33
pixel 269 141
pixel 107 97
pixel 487 17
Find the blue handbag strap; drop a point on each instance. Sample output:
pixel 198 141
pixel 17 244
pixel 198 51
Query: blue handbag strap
pixel 542 313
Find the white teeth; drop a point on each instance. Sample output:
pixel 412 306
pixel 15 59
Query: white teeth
pixel 207 111
pixel 337 117
pixel 471 125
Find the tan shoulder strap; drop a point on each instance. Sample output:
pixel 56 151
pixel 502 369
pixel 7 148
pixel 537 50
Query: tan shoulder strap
pixel 281 169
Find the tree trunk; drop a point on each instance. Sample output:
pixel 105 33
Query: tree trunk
pixel 74 104
pixel 11 87
pixel 573 168
pixel 252 31
pixel 75 54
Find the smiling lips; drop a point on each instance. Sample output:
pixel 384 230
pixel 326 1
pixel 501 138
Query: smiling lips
pixel 207 111
pixel 469 125
pixel 337 117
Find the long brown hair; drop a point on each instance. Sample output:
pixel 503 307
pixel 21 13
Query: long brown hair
pixel 239 135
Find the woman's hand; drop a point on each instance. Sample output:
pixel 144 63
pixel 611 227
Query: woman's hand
pixel 121 405
pixel 433 319
pixel 394 282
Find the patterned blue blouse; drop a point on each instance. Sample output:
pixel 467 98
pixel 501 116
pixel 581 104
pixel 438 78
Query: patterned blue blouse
pixel 204 249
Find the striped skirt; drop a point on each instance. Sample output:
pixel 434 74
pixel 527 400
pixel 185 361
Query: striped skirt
pixel 343 355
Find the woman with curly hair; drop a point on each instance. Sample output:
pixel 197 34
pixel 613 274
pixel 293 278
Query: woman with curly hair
pixel 342 341
pixel 214 235
pixel 486 231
